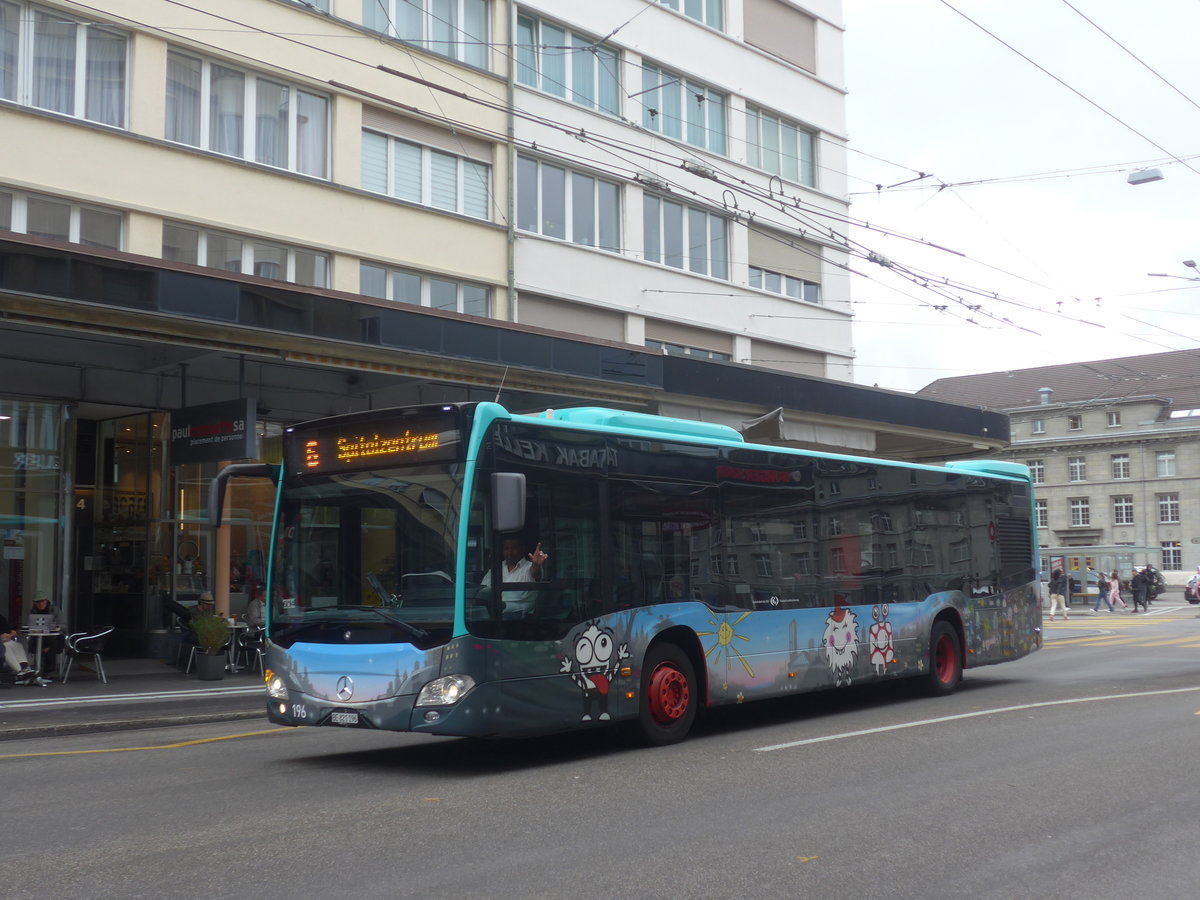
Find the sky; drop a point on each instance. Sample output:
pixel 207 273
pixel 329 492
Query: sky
pixel 1047 260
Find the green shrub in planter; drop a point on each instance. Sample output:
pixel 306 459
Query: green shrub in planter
pixel 212 632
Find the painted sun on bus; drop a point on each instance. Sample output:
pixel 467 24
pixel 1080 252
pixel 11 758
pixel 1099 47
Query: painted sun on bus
pixel 463 570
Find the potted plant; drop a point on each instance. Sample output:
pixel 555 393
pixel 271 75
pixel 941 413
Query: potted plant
pixel 212 635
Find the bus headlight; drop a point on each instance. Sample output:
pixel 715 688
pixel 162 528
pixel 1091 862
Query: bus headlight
pixel 276 689
pixel 445 691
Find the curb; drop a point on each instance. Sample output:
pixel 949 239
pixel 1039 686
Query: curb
pixel 88 727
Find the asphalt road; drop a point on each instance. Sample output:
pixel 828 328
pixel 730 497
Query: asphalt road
pixel 1068 774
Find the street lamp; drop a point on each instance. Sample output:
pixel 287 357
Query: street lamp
pixel 1190 263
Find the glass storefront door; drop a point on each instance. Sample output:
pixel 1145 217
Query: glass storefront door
pixel 31 514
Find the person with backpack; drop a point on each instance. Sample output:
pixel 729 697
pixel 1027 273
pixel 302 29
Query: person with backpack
pixel 1102 594
pixel 1140 584
pixel 1156 584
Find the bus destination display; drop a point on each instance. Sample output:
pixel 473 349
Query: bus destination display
pixel 403 441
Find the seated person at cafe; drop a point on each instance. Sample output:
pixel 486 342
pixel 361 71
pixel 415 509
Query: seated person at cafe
pixel 51 644
pixel 518 567
pixel 15 658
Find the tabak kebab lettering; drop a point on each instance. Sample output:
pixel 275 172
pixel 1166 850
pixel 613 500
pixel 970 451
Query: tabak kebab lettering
pixel 570 457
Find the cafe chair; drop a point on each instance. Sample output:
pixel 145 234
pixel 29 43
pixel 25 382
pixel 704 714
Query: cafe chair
pixel 250 644
pixel 86 643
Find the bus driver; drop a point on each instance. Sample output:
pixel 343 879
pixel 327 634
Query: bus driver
pixel 518 567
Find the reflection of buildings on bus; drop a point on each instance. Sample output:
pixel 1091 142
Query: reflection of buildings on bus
pixel 853 536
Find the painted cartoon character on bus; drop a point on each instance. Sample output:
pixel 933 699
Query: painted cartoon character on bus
pixel 597 658
pixel 880 636
pixel 841 643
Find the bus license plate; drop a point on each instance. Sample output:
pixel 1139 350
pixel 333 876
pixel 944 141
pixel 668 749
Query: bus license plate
pixel 344 717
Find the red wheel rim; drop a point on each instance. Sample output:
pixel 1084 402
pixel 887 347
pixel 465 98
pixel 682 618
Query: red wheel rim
pixel 669 694
pixel 944 663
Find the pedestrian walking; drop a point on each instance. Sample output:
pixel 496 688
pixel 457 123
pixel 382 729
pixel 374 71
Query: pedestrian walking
pixel 1102 594
pixel 1058 589
pixel 1114 592
pixel 1138 584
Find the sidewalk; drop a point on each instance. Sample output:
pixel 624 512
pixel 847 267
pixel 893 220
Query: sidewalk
pixel 141 693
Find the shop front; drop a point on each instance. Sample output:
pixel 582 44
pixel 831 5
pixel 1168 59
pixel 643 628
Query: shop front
pixel 142 531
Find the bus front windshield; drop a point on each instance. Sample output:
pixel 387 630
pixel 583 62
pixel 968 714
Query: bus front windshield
pixel 367 557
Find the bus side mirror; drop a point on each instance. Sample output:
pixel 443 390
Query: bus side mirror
pixel 216 490
pixel 508 501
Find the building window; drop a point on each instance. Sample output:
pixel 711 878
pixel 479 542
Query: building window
pixel 568 65
pixel 424 175
pixel 919 553
pixel 402 286
pixel 1077 468
pixel 682 350
pixel 787 285
pixel 1166 464
pixel 677 107
pixel 780 147
pixel 1172 555
pixel 1123 509
pixel 1042 513
pixel 1037 470
pixel 454 28
pixel 731 565
pixel 1038 426
pixel 240 113
pixel 762 565
pixel 1114 418
pixel 710 12
pixel 572 206
pixel 53 61
pixel 1074 423
pixel 1168 509
pixel 714 564
pixel 242 253
pixel 1120 465
pixel 61 220
pixel 1081 513
pixel 685 237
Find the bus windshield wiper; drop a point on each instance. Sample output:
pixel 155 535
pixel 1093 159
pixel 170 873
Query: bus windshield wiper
pixel 413 631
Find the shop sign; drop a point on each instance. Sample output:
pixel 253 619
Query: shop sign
pixel 213 432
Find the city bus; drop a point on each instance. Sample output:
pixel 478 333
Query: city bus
pixel 459 569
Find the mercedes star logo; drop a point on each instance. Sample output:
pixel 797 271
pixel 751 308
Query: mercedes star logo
pixel 345 687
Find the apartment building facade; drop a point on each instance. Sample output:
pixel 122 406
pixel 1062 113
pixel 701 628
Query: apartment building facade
pixel 246 213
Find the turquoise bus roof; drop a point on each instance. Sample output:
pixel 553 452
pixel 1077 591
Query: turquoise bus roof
pixel 643 422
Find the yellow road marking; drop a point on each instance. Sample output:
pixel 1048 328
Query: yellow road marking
pixel 176 746
pixel 1091 639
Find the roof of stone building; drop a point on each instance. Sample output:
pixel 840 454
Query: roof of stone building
pixel 1173 376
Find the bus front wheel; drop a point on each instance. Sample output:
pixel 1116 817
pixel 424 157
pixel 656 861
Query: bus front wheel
pixel 669 695
pixel 945 660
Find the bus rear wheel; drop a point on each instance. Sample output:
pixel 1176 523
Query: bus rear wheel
pixel 945 660
pixel 669 696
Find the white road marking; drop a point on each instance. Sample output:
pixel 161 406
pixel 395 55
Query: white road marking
pixel 971 715
pixel 195 694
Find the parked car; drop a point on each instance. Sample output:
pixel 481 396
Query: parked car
pixel 1191 592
